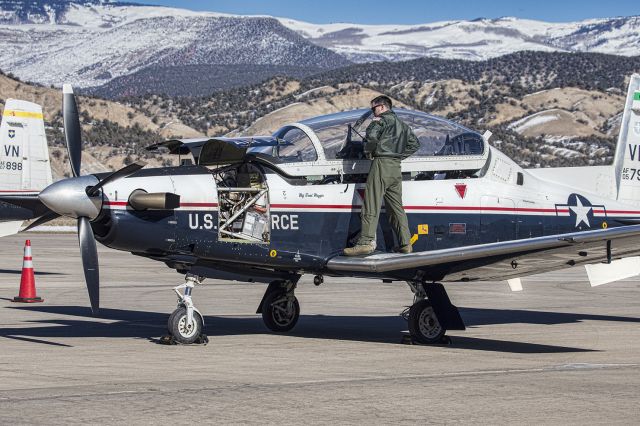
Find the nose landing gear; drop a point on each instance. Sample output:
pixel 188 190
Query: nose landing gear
pixel 186 324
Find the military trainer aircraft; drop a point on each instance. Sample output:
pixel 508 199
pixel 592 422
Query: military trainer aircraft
pixel 272 208
pixel 24 163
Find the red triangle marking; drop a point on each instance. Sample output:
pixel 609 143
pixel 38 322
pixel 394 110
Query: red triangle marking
pixel 461 189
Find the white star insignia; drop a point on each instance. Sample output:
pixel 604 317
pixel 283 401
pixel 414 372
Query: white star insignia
pixel 581 213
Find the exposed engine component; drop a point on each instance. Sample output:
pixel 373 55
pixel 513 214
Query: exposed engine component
pixel 243 204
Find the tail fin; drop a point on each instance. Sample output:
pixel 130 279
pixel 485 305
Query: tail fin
pixel 24 157
pixel 627 159
pixel 24 161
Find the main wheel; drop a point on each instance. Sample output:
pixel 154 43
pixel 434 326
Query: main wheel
pixel 180 330
pixel 279 312
pixel 423 323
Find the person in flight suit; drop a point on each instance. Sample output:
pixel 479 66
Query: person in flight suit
pixel 388 142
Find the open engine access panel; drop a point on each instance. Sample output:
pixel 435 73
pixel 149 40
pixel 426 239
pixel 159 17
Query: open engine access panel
pixel 243 204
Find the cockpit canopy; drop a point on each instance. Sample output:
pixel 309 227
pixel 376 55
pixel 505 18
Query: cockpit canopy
pixel 339 137
pixel 333 145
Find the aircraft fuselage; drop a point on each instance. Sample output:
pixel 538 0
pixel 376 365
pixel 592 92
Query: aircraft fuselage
pixel 310 223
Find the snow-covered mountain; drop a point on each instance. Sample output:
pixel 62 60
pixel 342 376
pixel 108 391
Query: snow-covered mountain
pixel 90 43
pixel 476 40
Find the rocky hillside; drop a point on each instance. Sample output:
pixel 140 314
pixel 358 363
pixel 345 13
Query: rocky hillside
pixel 184 81
pixel 545 109
pixel 113 132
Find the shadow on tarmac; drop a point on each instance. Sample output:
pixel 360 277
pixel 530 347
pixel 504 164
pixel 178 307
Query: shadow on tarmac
pixel 380 329
pixel 19 272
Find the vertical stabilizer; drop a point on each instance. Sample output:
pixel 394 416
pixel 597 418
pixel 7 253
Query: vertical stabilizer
pixel 627 159
pixel 24 157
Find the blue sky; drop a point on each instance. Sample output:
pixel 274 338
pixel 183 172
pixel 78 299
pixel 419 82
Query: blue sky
pixel 412 11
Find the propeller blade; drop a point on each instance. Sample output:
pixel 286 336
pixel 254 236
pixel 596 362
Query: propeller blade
pixel 89 253
pixel 123 172
pixel 72 132
pixel 50 215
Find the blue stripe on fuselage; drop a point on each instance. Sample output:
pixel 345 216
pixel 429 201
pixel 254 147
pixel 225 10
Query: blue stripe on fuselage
pixel 313 236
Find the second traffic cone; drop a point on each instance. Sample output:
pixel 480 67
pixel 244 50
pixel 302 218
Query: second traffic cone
pixel 27 280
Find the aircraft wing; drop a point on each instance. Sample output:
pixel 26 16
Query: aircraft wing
pixel 503 260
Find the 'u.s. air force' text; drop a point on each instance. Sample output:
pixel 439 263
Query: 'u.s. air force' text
pixel 285 222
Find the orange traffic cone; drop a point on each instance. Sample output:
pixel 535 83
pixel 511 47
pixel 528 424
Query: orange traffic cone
pixel 27 280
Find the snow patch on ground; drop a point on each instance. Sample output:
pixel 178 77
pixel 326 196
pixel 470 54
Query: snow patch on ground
pixel 312 91
pixel 534 120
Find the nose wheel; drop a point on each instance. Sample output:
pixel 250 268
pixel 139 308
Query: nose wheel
pixel 185 324
pixel 183 330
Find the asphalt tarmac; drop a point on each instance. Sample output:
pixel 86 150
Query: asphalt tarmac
pixel 559 352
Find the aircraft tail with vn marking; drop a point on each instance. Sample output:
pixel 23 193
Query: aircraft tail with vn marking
pixel 627 158
pixel 25 168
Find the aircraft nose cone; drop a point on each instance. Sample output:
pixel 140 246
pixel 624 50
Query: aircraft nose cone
pixel 53 194
pixel 69 197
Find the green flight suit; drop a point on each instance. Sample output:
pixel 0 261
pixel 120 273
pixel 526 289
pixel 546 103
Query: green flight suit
pixel 389 141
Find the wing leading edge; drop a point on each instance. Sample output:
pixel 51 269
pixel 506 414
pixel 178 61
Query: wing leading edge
pixel 501 260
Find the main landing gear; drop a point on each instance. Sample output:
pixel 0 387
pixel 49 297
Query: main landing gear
pixel 186 323
pixel 431 314
pixel 279 306
pixel 429 318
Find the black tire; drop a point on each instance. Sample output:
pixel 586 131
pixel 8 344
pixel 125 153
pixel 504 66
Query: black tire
pixel 171 319
pixel 278 314
pixel 424 325
pixel 178 329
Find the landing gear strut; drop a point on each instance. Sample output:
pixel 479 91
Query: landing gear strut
pixel 279 307
pixel 432 314
pixel 186 323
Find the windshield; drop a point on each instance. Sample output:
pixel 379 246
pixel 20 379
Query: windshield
pixel 296 146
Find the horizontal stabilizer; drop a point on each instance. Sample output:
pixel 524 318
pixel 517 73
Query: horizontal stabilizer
pixel 604 273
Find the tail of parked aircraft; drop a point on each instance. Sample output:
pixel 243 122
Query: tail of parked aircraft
pixel 627 158
pixel 25 168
